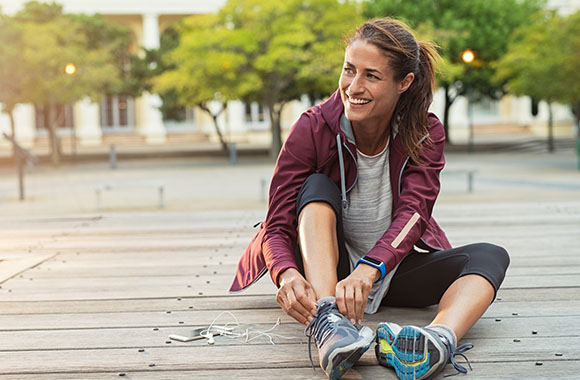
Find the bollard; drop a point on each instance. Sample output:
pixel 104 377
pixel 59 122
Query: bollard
pixel 233 153
pixel 21 164
pixel 263 190
pixel 578 152
pixel 113 157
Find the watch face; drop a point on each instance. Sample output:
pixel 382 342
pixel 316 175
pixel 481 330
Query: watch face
pixel 372 260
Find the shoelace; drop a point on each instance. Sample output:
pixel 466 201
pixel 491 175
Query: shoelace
pixel 459 351
pixel 318 327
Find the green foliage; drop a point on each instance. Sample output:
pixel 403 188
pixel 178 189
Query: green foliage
pixel 40 41
pixel 542 61
pixel 480 25
pixel 259 50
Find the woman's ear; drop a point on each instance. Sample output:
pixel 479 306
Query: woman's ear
pixel 406 83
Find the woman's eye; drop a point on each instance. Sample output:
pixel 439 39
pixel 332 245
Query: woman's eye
pixel 371 76
pixel 348 70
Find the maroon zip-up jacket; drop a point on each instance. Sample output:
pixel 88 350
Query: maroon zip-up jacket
pixel 313 147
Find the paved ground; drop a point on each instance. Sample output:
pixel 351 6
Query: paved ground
pixel 194 183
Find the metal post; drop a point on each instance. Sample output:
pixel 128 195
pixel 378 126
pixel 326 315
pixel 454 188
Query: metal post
pixel 233 153
pixel 20 174
pixel 161 201
pixel 113 157
pixel 470 181
pixel 263 189
pixel 470 115
pixel 578 151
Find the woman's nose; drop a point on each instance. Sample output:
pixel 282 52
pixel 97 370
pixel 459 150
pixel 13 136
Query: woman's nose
pixel 356 84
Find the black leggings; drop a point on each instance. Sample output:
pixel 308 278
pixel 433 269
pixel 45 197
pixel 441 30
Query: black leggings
pixel 421 278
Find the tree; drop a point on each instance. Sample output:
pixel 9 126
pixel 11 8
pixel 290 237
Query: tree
pixel 480 25
pixel 265 51
pixel 542 62
pixel 12 71
pixel 48 41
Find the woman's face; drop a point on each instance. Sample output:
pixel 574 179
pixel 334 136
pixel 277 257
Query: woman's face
pixel 367 86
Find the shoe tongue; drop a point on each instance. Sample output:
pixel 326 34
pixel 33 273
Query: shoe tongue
pixel 329 299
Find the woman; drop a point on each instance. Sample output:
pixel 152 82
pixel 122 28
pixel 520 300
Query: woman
pixel 350 207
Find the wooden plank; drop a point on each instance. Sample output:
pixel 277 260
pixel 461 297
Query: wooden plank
pixel 191 317
pixel 12 265
pixel 270 356
pixel 523 301
pixel 563 369
pixel 145 337
pixel 26 289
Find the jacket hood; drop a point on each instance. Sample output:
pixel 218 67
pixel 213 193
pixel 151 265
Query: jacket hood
pixel 331 111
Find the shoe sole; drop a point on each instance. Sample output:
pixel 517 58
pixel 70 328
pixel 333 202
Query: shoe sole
pixel 412 352
pixel 347 356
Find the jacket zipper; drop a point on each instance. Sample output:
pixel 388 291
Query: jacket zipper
pixel 342 174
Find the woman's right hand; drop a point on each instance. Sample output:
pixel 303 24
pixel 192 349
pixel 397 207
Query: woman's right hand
pixel 296 296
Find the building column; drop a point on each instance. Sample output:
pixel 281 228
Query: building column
pixel 87 128
pixel 25 124
pixel 459 121
pixel 151 118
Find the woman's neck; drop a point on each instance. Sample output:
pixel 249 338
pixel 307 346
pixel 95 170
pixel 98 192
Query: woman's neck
pixel 371 139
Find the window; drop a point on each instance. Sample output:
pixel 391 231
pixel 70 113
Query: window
pixel 117 112
pixel 254 113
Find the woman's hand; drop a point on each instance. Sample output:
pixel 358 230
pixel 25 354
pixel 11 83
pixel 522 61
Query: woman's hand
pixel 296 296
pixel 353 292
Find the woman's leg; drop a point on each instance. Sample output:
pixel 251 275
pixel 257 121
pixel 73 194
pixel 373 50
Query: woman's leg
pixel 464 303
pixel 318 244
pixel 463 281
pixel 321 253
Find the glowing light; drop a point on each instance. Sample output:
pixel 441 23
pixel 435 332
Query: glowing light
pixel 467 56
pixel 70 69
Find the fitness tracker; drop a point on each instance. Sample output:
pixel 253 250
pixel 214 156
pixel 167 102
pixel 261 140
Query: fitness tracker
pixel 373 263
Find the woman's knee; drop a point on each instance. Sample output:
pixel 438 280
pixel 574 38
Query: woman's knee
pixel 489 252
pixel 318 191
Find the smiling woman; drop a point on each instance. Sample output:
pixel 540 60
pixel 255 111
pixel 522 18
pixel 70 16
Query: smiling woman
pixel 350 206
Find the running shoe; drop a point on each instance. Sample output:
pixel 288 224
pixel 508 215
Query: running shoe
pixel 416 353
pixel 340 343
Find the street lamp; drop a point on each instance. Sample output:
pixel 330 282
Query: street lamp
pixel 70 69
pixel 468 57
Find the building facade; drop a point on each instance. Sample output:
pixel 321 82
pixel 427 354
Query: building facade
pixel 90 123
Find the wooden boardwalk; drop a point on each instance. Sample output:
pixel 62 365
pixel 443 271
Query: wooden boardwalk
pixel 96 297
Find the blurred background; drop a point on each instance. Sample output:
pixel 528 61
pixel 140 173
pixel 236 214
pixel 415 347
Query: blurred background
pixel 100 82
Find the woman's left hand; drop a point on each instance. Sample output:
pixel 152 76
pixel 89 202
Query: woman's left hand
pixel 352 293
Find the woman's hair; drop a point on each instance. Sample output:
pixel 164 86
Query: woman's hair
pixel 406 55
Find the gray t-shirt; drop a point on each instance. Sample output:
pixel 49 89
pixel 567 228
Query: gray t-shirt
pixel 369 211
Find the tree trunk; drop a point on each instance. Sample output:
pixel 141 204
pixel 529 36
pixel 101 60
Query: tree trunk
pixel 550 128
pixel 53 136
pixel 216 124
pixel 12 129
pixel 576 112
pixel 275 110
pixel 448 102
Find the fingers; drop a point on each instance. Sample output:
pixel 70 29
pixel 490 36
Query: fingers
pixel 298 301
pixel 350 304
pixel 351 299
pixel 360 303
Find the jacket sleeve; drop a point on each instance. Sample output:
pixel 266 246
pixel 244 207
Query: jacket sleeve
pixel 295 163
pixel 419 188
